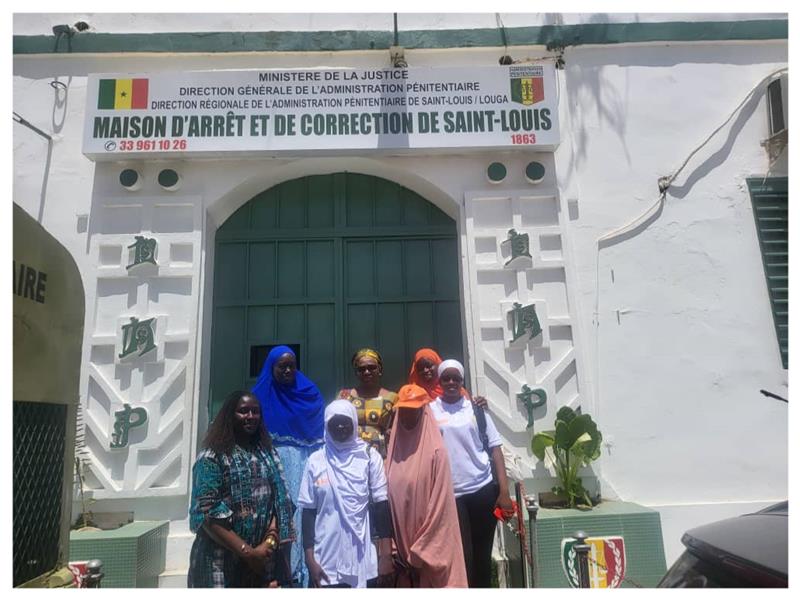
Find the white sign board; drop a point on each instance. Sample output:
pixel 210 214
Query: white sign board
pixel 273 112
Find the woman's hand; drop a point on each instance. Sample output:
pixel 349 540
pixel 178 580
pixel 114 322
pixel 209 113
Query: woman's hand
pixel 256 559
pixel 385 565
pixel 385 570
pixel 315 573
pixel 264 551
pixel 505 504
pixel 480 401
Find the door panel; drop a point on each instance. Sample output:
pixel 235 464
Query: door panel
pixel 360 330
pixel 359 201
pixel 447 318
pixel 417 272
pixel 389 254
pixel 303 263
pixel 389 210
pixel 261 272
pixel 321 269
pixel 444 255
pixel 321 205
pixel 291 269
pixel 419 325
pixel 260 323
pixel 291 212
pixel 291 323
pixel 230 283
pixel 228 352
pixel 263 215
pixel 391 326
pixel 321 343
pixel 359 269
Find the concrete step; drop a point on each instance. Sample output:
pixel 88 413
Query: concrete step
pixel 178 547
pixel 172 579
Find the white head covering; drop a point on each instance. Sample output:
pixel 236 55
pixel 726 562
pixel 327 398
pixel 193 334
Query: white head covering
pixel 451 363
pixel 344 408
pixel 347 469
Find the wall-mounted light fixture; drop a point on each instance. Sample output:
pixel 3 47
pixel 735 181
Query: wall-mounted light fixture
pixel 130 179
pixel 169 180
pixel 496 172
pixel 534 172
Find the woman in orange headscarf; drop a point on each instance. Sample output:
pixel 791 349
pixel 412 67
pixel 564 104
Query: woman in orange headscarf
pixel 424 373
pixel 421 497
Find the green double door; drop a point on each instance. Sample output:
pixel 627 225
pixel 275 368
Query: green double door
pixel 328 264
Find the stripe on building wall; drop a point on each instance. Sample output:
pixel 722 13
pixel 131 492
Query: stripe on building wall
pixel 551 36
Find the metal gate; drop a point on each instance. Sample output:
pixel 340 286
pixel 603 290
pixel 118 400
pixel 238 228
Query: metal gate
pixel 39 438
pixel 328 264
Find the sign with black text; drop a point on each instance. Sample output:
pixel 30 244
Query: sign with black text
pixel 272 112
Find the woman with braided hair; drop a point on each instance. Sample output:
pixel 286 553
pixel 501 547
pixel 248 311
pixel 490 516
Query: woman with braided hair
pixel 240 507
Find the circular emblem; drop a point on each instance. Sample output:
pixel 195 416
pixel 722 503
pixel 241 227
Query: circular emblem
pixel 357 403
pixel 373 416
pixel 111 145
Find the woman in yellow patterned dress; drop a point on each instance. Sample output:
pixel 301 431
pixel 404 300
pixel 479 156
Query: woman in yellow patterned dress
pixel 373 403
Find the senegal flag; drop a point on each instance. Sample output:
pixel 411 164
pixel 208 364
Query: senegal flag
pixel 121 94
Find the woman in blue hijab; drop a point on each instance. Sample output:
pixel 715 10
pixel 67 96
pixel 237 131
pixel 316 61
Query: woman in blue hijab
pixel 293 410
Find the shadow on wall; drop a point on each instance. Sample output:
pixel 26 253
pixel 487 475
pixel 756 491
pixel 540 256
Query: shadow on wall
pixel 584 80
pixel 720 156
pixel 60 97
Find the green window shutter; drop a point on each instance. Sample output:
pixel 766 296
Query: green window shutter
pixel 770 198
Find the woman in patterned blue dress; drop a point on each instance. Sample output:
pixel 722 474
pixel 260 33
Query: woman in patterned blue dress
pixel 293 410
pixel 240 509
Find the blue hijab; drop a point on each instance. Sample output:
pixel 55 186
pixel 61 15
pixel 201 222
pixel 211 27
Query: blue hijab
pixel 293 414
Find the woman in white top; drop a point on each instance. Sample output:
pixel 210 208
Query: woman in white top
pixel 334 497
pixel 476 491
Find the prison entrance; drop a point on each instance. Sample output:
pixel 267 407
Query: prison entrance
pixel 328 264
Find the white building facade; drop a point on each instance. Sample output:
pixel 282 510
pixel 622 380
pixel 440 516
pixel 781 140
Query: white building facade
pixel 653 312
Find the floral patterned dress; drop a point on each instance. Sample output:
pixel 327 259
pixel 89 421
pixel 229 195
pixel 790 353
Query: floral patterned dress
pixel 374 416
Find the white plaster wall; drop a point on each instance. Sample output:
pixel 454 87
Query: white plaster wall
pixel 683 338
pixel 673 381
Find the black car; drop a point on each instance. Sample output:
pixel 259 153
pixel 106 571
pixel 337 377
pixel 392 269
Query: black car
pixel 746 551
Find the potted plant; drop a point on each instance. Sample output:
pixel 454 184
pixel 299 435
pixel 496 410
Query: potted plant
pixel 631 532
pixel 574 443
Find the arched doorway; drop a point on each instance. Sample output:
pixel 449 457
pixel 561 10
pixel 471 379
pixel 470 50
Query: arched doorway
pixel 328 264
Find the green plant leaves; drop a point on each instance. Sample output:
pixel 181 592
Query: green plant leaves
pixel 575 442
pixel 540 442
pixel 564 439
pixel 566 414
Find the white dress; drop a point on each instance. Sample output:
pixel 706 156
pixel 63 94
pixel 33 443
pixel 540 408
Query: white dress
pixel 329 530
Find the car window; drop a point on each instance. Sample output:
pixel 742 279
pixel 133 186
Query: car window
pixel 692 572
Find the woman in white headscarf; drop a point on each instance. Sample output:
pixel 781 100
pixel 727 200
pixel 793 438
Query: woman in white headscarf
pixel 334 497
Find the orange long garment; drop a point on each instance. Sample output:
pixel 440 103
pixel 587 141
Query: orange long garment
pixel 423 505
